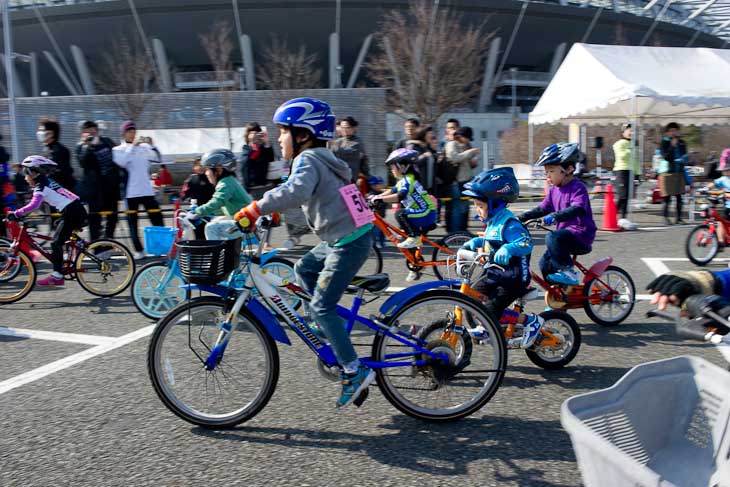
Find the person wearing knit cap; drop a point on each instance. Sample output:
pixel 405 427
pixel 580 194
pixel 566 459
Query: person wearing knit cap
pixel 135 154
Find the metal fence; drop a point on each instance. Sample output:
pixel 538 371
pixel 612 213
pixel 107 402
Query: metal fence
pixel 191 110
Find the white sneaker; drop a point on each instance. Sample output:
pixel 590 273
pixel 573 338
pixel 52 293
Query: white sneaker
pixel 139 255
pixel 530 330
pixel 412 276
pixel 290 243
pixel 410 243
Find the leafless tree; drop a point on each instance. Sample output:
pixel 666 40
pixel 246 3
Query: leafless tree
pixel 430 59
pixel 219 47
pixel 286 69
pixel 129 76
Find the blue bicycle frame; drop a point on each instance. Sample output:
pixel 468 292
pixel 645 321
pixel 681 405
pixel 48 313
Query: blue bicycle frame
pixel 269 304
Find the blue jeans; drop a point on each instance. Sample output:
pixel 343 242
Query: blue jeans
pixel 561 245
pixel 327 271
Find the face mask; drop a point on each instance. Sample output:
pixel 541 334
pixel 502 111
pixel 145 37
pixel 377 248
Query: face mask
pixel 41 136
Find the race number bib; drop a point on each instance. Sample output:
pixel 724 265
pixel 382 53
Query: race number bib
pixel 356 205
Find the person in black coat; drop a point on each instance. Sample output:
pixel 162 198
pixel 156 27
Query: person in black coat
pixel 100 185
pixel 253 165
pixel 49 131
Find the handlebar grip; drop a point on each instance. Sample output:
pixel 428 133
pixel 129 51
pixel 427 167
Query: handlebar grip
pixel 692 330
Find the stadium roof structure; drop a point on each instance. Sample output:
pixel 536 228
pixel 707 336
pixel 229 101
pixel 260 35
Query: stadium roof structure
pixel 705 16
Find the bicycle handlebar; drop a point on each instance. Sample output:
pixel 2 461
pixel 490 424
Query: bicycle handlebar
pixel 703 324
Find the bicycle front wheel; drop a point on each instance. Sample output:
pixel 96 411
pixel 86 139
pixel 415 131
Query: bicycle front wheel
pixel 430 389
pixel 701 245
pixel 156 289
pixel 452 242
pixel 17 275
pixel 105 268
pixel 236 389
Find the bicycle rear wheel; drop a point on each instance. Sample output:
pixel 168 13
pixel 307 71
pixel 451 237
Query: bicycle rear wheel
pixel 105 268
pixel 453 242
pixel 156 289
pixel 611 303
pixel 432 390
pixel 17 275
pixel 283 269
pixel 239 386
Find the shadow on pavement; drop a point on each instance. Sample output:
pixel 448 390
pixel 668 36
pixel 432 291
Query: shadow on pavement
pixel 434 449
pixel 580 377
pixel 100 306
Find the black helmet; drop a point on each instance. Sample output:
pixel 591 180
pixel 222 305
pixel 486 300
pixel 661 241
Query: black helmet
pixel 219 158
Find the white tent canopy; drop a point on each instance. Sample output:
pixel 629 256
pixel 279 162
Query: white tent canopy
pixel 603 85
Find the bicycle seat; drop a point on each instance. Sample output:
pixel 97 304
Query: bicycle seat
pixel 373 283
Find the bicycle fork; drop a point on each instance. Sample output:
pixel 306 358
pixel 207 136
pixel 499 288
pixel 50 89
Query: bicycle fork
pixel 226 327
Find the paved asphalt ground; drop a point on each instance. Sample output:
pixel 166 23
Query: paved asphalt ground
pixel 98 422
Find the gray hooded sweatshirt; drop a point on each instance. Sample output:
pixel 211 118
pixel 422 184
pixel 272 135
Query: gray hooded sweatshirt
pixel 314 183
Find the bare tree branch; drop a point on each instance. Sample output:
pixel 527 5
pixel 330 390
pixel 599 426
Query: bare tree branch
pixel 284 69
pixel 436 58
pixel 219 47
pixel 128 74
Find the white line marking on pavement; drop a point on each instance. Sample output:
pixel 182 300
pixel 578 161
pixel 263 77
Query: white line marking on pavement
pixel 55 336
pixel 71 360
pixel 658 267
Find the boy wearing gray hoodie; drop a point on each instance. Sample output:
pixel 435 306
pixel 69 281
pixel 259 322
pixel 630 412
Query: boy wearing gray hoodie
pixel 305 126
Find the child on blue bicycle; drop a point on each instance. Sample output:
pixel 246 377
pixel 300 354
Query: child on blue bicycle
pixel 568 205
pixel 316 178
pixel 508 244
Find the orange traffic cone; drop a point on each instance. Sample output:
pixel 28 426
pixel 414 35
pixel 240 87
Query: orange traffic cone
pixel 610 217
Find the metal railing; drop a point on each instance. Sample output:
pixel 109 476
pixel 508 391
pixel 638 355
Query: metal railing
pixel 206 79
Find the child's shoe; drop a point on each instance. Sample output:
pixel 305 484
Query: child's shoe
pixel 530 331
pixel 410 243
pixel 51 280
pixel 567 277
pixel 353 385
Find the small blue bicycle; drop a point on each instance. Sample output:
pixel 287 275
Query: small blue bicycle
pixel 158 286
pixel 213 361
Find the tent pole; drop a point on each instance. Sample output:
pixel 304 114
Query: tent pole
pixel 635 128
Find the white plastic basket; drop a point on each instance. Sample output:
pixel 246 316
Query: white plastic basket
pixel 663 424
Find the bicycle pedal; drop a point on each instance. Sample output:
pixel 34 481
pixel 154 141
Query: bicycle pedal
pixel 361 398
pixel 514 343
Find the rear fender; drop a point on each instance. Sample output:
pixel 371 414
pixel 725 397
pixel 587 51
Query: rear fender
pixel 597 269
pixel 396 301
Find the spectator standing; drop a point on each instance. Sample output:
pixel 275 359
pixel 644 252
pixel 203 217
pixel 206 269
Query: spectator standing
pixel 100 184
pixel 423 142
pixel 253 165
pixel 349 148
pixel 48 134
pixel 197 187
pixel 623 166
pixel 463 157
pixel 409 131
pixel 452 125
pixel 674 177
pixel 135 156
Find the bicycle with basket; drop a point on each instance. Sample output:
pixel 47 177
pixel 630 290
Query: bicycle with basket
pixel 214 362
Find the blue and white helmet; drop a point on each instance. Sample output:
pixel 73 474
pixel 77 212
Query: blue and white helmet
pixel 498 184
pixel 307 113
pixel 563 154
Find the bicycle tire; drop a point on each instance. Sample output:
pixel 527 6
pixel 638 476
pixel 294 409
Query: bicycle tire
pixel 276 261
pixel 588 306
pixel 7 274
pixel 536 353
pixel 7 295
pixel 439 372
pixel 161 376
pixel 452 241
pixel 692 238
pixel 373 264
pixel 106 267
pixel 154 306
